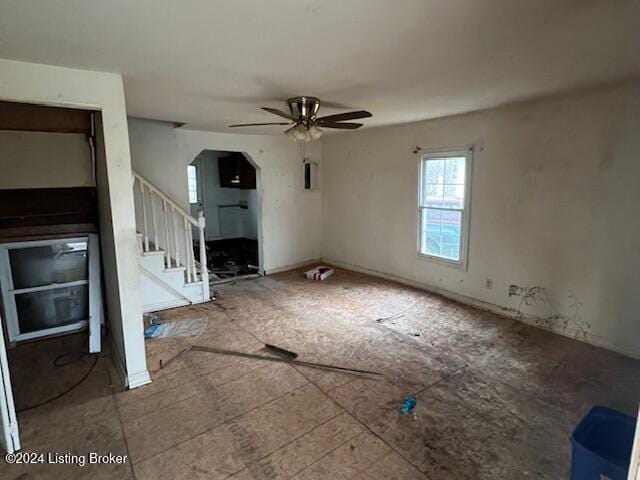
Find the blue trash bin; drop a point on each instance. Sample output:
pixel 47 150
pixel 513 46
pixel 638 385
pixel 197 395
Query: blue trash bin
pixel 602 444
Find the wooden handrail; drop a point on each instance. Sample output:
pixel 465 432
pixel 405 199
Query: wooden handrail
pixel 176 231
pixel 175 206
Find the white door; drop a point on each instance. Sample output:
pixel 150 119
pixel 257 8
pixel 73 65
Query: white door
pixel 9 439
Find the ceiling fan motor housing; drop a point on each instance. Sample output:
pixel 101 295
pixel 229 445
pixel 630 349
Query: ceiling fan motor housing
pixel 304 109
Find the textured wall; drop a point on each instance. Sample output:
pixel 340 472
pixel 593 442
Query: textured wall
pixel 554 204
pixel 290 225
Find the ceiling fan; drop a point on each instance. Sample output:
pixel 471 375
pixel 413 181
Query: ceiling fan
pixel 305 124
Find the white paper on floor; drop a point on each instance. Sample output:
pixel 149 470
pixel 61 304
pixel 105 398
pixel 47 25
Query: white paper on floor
pixel 188 327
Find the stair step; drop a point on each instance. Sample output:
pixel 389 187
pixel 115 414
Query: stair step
pixel 179 268
pixel 163 287
pixel 154 252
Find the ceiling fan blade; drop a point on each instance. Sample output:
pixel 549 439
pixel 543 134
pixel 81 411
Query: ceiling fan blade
pixel 338 117
pixel 342 126
pixel 280 113
pixel 257 124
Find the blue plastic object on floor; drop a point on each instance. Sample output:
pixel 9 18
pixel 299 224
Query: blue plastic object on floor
pixel 408 403
pixel 602 444
pixel 151 331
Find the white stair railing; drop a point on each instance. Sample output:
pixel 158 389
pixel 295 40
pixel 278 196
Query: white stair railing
pixel 172 233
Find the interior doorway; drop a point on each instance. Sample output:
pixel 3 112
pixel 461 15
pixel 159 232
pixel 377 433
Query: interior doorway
pixel 50 263
pixel 224 186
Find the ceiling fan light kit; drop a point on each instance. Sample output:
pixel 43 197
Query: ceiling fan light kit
pixel 304 122
pixel 301 133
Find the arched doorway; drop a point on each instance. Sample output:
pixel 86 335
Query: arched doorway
pixel 224 185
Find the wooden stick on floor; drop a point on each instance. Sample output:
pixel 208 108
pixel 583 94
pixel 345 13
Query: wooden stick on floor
pixel 281 360
pixel 164 364
pixel 255 356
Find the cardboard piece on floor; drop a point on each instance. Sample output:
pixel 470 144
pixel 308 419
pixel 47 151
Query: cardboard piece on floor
pixel 319 273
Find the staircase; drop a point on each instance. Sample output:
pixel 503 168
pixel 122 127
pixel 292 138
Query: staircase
pixel 170 275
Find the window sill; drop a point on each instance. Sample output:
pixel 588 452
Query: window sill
pixel 461 265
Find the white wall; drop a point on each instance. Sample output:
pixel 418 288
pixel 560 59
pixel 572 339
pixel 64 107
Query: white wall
pixel 44 160
pixel 555 203
pixel 154 154
pixel 56 86
pixel 290 227
pixel 250 218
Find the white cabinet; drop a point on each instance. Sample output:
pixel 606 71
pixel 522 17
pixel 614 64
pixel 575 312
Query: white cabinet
pixel 231 218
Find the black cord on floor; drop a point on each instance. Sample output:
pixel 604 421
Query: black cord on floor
pixel 74 357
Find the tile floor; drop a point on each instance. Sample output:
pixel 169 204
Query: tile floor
pixel 495 399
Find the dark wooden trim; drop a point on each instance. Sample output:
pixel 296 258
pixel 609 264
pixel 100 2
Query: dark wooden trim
pixel 40 118
pixel 31 207
pixel 45 232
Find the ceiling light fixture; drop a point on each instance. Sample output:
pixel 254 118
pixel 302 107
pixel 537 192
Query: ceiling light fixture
pixel 315 132
pixel 302 133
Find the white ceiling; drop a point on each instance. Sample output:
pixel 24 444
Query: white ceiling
pixel 211 63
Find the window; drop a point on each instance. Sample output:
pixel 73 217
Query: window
pixel 444 206
pixel 192 180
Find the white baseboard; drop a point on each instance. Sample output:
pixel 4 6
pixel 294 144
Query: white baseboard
pixel 139 379
pixel 597 340
pixel 295 266
pixel 129 381
pixel 154 307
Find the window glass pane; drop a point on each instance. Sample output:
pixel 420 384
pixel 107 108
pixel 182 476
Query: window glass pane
pixel 431 224
pixel 192 183
pixel 433 171
pixel 451 228
pixel 40 266
pixel 454 170
pixel 453 196
pixel 52 308
pixel 193 190
pixel 432 195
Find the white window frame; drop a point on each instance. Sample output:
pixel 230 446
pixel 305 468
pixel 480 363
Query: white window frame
pixel 93 283
pixel 195 169
pixel 467 153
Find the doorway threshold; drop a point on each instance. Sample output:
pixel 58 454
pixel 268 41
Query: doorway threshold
pixel 233 279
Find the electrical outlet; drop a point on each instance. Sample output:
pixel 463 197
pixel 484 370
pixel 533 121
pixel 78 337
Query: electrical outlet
pixel 488 284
